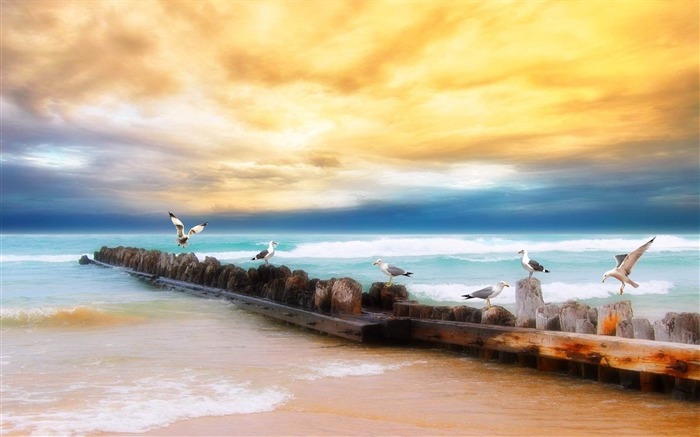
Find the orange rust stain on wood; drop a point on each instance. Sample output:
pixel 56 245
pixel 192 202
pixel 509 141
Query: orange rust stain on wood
pixel 609 324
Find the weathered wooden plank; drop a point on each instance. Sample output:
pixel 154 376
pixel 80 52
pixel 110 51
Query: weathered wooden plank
pixel 674 359
pixel 350 328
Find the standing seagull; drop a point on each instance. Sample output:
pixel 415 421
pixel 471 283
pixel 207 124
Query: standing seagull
pixel 487 293
pixel 267 253
pixel 531 265
pixel 183 238
pixel 390 270
pixel 625 264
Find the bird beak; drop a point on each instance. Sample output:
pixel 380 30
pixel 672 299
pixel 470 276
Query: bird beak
pixel 507 285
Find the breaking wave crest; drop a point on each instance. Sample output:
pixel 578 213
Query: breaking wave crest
pixel 78 316
pixel 453 246
pixel 151 403
pixel 552 292
pixel 7 258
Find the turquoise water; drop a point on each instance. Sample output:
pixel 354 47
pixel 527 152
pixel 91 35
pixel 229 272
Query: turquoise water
pixel 41 269
pixel 90 350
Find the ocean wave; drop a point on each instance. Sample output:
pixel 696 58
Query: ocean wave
pixel 343 369
pixel 455 246
pixel 151 403
pixel 466 248
pixel 77 316
pixel 8 258
pixel 551 292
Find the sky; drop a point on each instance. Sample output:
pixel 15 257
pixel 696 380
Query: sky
pixel 396 116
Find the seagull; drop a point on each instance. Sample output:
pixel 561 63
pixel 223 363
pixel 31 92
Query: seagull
pixel 487 293
pixel 267 253
pixel 625 264
pixel 390 270
pixel 531 265
pixel 183 238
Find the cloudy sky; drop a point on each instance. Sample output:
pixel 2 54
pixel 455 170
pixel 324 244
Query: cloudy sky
pixel 396 115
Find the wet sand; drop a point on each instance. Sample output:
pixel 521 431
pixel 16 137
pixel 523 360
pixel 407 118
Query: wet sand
pixel 449 394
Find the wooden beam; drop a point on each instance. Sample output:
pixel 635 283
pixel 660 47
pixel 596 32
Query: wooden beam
pixel 350 328
pixel 674 359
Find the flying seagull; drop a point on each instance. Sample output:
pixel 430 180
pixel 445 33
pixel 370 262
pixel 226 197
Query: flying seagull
pixel 531 265
pixel 267 253
pixel 390 270
pixel 487 293
pixel 625 264
pixel 182 238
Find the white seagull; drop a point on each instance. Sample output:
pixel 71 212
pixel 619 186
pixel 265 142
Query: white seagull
pixel 390 270
pixel 182 238
pixel 625 264
pixel 267 253
pixel 531 265
pixel 487 293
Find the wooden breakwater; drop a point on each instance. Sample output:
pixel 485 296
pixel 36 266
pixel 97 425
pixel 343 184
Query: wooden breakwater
pixel 604 343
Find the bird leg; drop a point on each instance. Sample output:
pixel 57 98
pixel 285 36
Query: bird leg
pixel 388 284
pixel 622 288
pixel 530 276
pixel 488 303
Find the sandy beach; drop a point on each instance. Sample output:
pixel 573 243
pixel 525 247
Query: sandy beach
pixel 451 395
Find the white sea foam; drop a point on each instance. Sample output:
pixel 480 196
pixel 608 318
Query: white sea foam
pixel 35 314
pixel 455 246
pixel 150 403
pixel 61 316
pixel 551 292
pixel 461 247
pixel 343 369
pixel 7 258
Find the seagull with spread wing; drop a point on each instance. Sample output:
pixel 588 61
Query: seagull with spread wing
pixel 625 264
pixel 182 238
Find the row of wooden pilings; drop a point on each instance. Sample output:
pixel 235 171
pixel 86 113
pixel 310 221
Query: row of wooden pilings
pixel 491 333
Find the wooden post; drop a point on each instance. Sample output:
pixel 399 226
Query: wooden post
pixel 547 364
pixel 642 329
pixel 680 328
pixel 584 326
pixel 610 315
pixel 571 312
pixel 628 378
pixel 547 317
pixel 528 297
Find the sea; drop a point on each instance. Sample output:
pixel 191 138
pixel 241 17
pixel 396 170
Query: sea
pixel 88 350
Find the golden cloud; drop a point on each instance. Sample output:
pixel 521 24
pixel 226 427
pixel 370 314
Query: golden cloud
pixel 310 89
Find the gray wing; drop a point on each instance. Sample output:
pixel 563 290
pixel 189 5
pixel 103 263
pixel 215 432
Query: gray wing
pixel 630 260
pixel 619 259
pixel 261 255
pixel 535 265
pixel 395 271
pixel 483 293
